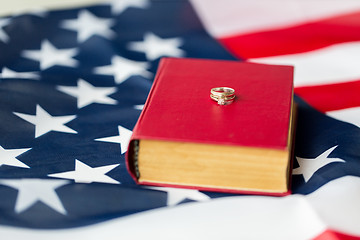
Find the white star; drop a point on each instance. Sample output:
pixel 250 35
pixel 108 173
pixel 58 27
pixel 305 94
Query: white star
pixel 44 122
pixel 139 107
pixel 49 56
pixel 30 191
pixel 86 174
pixel 88 94
pixel 177 195
pixel 87 25
pixel 3 35
pixel 8 157
pixel 308 166
pixel 155 47
pixel 118 6
pixel 7 73
pixel 123 68
pixel 123 138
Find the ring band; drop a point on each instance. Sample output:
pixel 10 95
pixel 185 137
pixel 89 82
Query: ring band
pixel 219 91
pixel 222 95
pixel 216 98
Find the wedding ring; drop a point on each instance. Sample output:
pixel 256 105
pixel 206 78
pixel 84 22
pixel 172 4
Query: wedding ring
pixel 219 91
pixel 222 95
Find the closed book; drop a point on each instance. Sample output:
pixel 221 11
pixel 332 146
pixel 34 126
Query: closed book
pixel 183 138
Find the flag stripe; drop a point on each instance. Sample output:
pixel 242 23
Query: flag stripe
pixel 350 115
pixel 331 97
pixel 334 64
pixel 334 235
pixel 296 39
pixel 244 17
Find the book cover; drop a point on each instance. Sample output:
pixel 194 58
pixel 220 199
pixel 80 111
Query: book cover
pixel 181 122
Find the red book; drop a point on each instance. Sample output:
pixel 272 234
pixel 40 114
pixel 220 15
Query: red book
pixel 184 138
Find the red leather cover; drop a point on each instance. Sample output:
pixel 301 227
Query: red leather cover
pixel 179 107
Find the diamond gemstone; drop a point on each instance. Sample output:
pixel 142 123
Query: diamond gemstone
pixel 221 100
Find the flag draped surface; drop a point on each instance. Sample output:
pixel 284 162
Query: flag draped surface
pixel 73 83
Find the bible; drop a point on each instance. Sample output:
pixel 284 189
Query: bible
pixel 184 138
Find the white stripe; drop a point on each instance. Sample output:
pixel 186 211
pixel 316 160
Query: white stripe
pixel 229 17
pixel 333 206
pixel 18 6
pixel 334 64
pixel 337 204
pixel 350 115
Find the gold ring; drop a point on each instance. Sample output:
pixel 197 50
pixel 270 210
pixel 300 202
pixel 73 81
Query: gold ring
pixel 222 95
pixel 219 91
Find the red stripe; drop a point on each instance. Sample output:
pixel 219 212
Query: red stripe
pixel 332 96
pixel 333 235
pixel 297 39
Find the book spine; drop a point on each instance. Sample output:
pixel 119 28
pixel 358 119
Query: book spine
pixel 136 158
pixel 132 153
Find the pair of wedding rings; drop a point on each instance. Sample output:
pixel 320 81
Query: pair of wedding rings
pixel 222 95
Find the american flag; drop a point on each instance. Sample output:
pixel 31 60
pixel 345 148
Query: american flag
pixel 73 83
